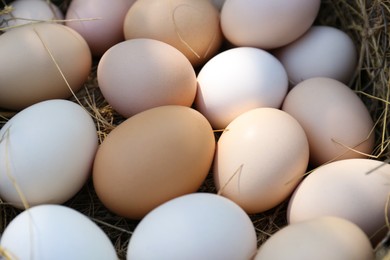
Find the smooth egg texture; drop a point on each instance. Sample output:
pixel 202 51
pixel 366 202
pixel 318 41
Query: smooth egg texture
pixel 49 232
pixel 260 158
pixel 336 121
pixel 323 51
pixel 191 26
pixel 194 226
pixel 321 238
pixel 139 74
pixel 267 24
pixel 152 157
pixel 354 189
pixel 237 80
pixel 40 62
pixel 46 152
pixel 100 22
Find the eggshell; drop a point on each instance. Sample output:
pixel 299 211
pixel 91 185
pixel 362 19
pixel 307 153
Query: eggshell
pixel 323 51
pixel 194 226
pixel 100 22
pixel 267 24
pixel 191 26
pixel 238 80
pixel 152 157
pixel 46 152
pixel 55 232
pixel 35 60
pixel 31 11
pixel 320 238
pixel 334 118
pixel 260 159
pixel 139 74
pixel 354 189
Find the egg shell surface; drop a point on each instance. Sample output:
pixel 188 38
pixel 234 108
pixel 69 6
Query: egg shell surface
pixel 323 51
pixel 260 159
pixel 49 232
pixel 31 11
pixel 194 226
pixel 139 74
pixel 321 238
pixel 45 54
pixel 267 24
pixel 100 22
pixel 335 119
pixel 152 157
pixel 191 26
pixel 46 152
pixel 354 189
pixel 237 80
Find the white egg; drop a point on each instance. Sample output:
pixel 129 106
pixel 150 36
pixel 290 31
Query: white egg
pixel 323 51
pixel 46 153
pixel 194 226
pixel 24 12
pixel 49 232
pixel 238 80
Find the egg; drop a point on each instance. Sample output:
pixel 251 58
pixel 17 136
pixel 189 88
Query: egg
pixel 139 74
pixel 353 189
pixel 55 232
pixel 320 238
pixel 237 80
pixel 40 62
pixel 267 24
pixel 194 226
pixel 152 157
pixel 100 22
pixel 191 26
pixel 336 121
pixel 46 152
pixel 31 11
pixel 323 51
pixel 260 158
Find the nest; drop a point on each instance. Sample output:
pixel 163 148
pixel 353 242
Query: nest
pixel 364 20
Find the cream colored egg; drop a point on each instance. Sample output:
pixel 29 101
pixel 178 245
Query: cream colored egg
pixel 321 238
pixel 323 51
pixel 260 159
pixel 191 26
pixel 139 74
pixel 267 24
pixel 354 189
pixel 336 121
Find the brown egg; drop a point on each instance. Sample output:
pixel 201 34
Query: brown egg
pixel 191 26
pixel 152 157
pixel 336 121
pixel 33 58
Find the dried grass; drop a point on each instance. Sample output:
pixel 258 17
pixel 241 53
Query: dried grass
pixel 365 21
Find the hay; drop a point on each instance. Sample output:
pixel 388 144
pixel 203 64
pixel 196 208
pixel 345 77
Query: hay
pixel 366 21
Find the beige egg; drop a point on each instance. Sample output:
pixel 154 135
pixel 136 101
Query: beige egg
pixel 323 51
pixel 267 24
pixel 191 26
pixel 139 74
pixel 336 121
pixel 321 238
pixel 354 189
pixel 260 159
pixel 152 157
pixel 38 60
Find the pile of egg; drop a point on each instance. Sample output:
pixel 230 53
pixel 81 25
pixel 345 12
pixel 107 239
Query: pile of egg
pixel 261 72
